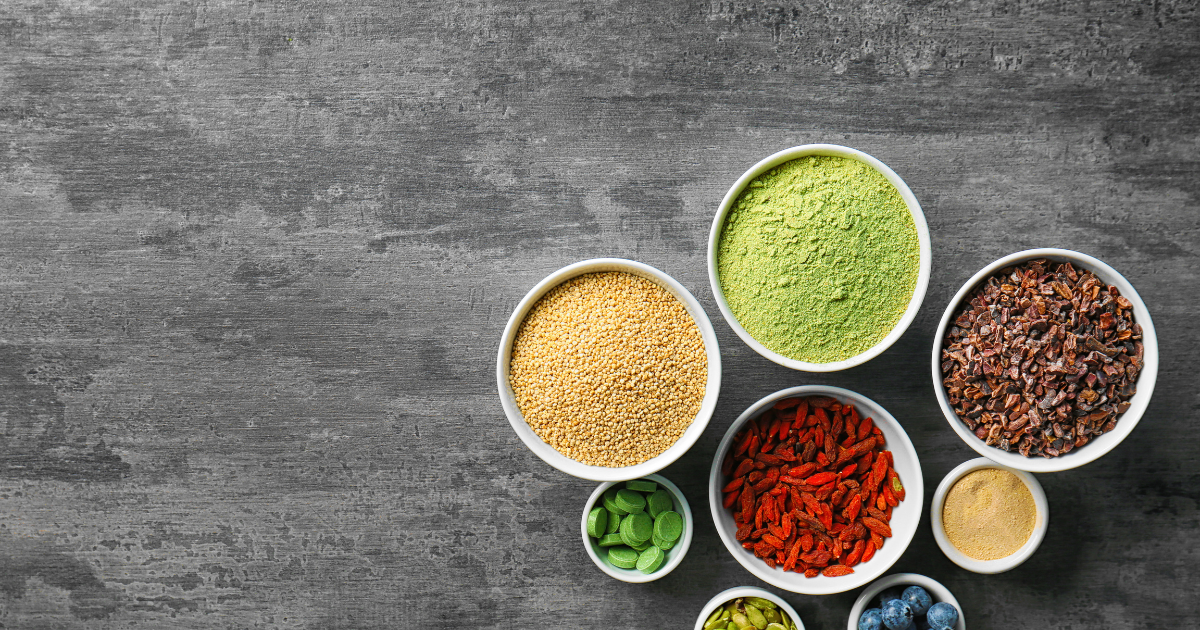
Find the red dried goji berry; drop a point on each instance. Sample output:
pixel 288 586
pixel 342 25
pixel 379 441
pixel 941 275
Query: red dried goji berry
pixel 733 485
pixel 856 554
pixel 868 552
pixel 787 403
pixel 729 499
pixel 837 570
pixel 877 526
pixel 856 505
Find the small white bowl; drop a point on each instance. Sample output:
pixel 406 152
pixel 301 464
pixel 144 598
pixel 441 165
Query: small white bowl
pixel 1097 446
pixel 603 473
pixel 675 554
pixel 999 565
pixel 937 592
pixel 746 591
pixel 905 518
pixel 918 216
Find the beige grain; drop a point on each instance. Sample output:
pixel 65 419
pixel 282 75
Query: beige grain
pixel 609 369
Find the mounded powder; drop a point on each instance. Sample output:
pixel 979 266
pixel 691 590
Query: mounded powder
pixel 818 258
pixel 989 514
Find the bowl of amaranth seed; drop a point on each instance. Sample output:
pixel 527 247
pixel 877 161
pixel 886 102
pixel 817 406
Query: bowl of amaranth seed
pixel 608 369
pixel 1045 360
pixel 819 257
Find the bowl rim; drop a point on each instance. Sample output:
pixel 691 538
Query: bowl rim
pixel 821 585
pixel 936 590
pixel 575 468
pixel 923 241
pixel 1101 445
pixel 746 591
pixel 999 565
pixel 676 553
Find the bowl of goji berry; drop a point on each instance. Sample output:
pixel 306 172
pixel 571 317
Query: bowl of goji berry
pixel 816 489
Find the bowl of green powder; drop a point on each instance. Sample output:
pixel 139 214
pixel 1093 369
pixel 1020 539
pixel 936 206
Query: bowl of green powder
pixel 819 257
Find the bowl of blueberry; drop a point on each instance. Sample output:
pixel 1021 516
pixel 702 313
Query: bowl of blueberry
pixel 906 601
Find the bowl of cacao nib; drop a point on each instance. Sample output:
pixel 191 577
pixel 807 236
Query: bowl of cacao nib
pixel 1045 360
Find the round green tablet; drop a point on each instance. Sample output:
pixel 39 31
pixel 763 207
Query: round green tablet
pixel 638 527
pixel 641 485
pixel 610 502
pixel 642 547
pixel 614 521
pixel 669 526
pixel 662 544
pixel 597 522
pixel 611 540
pixel 659 502
pixel 650 560
pixel 630 501
pixel 623 557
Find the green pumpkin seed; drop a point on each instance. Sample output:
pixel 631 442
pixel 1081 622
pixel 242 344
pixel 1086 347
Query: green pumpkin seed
pixel 756 616
pixel 761 603
pixel 772 616
pixel 775 626
pixel 741 621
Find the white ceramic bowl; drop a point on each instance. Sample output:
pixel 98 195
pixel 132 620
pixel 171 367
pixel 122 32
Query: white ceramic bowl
pixel 937 592
pixel 603 473
pixel 1098 446
pixel 905 518
pixel 675 554
pixel 918 216
pixel 1002 564
pixel 746 591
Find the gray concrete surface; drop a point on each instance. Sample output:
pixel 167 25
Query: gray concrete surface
pixel 255 259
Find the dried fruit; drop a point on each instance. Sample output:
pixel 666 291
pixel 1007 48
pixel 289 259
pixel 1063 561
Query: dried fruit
pixel 1042 358
pixel 823 510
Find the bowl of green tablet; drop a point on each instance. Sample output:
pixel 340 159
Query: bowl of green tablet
pixel 638 530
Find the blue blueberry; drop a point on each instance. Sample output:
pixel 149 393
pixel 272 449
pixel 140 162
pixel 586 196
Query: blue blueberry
pixel 897 615
pixel 917 599
pixel 941 616
pixel 889 594
pixel 871 619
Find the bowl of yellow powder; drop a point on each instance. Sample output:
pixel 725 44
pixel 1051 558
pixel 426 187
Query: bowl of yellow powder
pixel 819 257
pixel 608 369
pixel 989 518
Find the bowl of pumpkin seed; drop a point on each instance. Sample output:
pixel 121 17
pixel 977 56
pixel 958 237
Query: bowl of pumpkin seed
pixel 748 608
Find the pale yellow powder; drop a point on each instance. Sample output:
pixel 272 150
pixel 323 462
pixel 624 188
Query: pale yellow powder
pixel 989 514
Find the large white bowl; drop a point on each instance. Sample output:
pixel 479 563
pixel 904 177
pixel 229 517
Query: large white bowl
pixel 770 162
pixel 1097 446
pixel 746 591
pixel 603 473
pixel 999 565
pixel 905 517
pixel 675 554
pixel 937 592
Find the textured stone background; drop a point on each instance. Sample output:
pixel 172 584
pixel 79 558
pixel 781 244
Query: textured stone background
pixel 255 259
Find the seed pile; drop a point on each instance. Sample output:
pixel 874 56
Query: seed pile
pixel 609 369
pixel 820 511
pixel 1042 358
pixel 989 514
pixel 745 613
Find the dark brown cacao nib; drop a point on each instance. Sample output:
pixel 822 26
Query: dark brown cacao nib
pixel 1042 358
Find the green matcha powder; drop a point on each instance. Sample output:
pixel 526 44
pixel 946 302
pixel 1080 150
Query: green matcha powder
pixel 819 258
